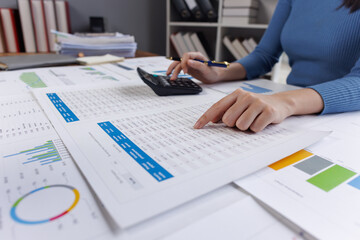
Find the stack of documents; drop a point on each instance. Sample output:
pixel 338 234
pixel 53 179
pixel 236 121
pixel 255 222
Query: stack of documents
pixel 94 45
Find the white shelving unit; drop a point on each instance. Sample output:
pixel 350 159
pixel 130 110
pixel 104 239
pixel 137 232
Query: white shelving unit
pixel 215 31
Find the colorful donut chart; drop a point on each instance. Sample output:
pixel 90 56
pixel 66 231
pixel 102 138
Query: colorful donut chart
pixel 19 220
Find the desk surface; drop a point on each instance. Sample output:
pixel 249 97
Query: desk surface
pixel 182 215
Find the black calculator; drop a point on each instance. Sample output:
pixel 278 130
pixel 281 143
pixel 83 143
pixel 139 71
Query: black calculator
pixel 163 86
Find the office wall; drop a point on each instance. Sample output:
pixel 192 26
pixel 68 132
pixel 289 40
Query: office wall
pixel 145 19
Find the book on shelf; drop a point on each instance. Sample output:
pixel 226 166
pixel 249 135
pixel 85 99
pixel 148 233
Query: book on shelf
pixel 247 45
pixel 182 9
pixel 63 16
pixel 237 12
pixel 239 48
pixel 180 41
pixel 175 44
pixel 50 19
pixel 2 39
pixel 240 12
pixel 228 44
pixel 241 3
pixel 188 42
pixel 252 43
pixel 238 20
pixel 27 26
pixel 38 16
pixel 11 30
pixel 190 45
pixel 199 45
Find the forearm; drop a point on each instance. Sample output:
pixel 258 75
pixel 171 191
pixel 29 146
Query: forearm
pixel 302 101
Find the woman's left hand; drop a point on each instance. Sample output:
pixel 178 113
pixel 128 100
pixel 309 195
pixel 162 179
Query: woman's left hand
pixel 247 110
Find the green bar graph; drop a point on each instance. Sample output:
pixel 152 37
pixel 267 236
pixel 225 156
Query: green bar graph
pixel 43 154
pixel 331 178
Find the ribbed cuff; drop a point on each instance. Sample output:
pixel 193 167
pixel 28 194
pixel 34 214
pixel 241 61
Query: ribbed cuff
pixel 247 62
pixel 342 95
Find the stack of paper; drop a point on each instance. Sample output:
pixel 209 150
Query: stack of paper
pixel 94 45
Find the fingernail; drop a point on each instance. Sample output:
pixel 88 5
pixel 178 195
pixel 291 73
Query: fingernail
pixel 197 125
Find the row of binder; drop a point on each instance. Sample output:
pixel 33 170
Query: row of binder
pixel 29 28
pixel 195 10
pixel 38 18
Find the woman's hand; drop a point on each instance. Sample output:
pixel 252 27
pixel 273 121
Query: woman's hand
pixel 196 69
pixel 247 110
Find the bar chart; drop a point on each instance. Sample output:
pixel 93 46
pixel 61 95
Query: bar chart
pixel 44 154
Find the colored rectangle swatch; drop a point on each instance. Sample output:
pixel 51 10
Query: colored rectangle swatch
pixel 300 155
pixel 65 112
pixel 254 89
pixel 144 160
pixel 355 182
pixel 331 178
pixel 313 165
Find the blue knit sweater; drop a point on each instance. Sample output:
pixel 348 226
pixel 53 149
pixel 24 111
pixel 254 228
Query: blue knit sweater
pixel 323 45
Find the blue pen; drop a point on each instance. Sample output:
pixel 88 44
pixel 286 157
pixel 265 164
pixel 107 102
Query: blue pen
pixel 209 63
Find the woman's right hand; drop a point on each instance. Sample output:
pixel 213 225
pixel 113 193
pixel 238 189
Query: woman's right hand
pixel 196 69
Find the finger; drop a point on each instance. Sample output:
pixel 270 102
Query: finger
pixel 237 109
pixel 249 115
pixel 216 111
pixel 171 67
pixel 188 56
pixel 176 72
pixel 196 67
pixel 263 120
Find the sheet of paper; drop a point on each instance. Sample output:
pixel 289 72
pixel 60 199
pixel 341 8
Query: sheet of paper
pixel 318 188
pixel 140 153
pixel 43 194
pixel 256 86
pixel 244 219
pixel 18 82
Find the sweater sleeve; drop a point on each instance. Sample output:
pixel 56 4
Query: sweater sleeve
pixel 343 94
pixel 267 53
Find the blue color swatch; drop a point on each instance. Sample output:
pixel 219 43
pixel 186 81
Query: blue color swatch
pixel 355 183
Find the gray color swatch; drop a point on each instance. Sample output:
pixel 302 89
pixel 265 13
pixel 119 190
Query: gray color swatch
pixel 313 165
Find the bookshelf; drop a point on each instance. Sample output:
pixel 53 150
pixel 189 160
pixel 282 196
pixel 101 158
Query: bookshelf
pixel 214 32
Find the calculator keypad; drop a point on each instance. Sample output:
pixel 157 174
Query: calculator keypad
pixel 163 86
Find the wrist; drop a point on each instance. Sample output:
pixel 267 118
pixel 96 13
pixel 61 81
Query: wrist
pixel 301 101
pixel 235 71
pixel 289 103
pixel 220 74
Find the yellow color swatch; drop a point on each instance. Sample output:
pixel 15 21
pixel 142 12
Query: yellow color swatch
pixel 300 155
